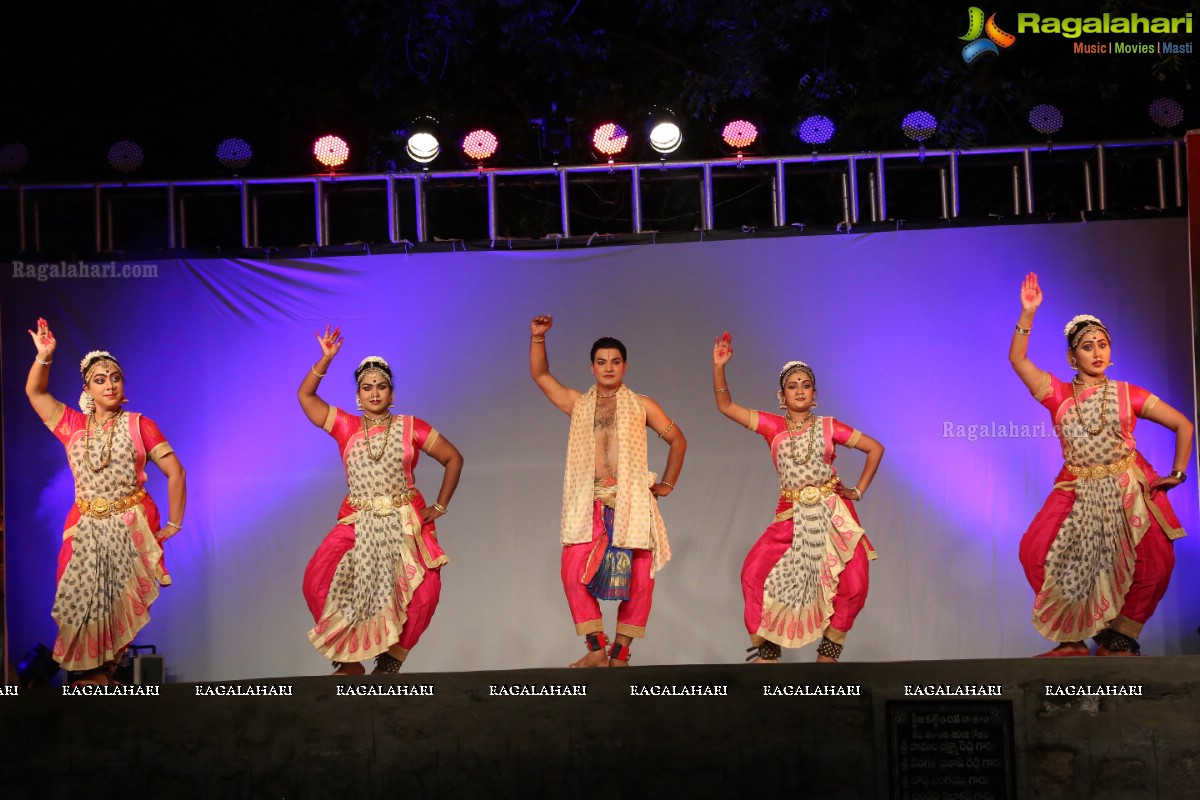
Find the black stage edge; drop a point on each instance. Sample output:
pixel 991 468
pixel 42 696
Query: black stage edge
pixel 465 740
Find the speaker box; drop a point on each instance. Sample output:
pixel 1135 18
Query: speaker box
pixel 149 669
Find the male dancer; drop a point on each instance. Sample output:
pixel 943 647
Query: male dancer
pixel 614 541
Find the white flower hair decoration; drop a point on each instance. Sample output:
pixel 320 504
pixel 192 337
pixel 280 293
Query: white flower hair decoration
pixel 369 359
pixel 1078 318
pixel 95 355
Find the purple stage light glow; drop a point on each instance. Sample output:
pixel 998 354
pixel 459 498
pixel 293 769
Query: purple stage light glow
pixel 1045 119
pixel 919 125
pixel 125 156
pixel 1166 112
pixel 234 153
pixel 817 129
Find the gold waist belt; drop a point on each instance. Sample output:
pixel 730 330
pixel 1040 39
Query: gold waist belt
pixel 811 495
pixel 1102 470
pixel 383 504
pixel 101 507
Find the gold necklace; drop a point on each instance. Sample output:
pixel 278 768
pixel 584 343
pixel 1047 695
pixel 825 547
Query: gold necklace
pixel 1103 405
pixel 793 426
pixel 606 396
pixel 387 431
pixel 106 449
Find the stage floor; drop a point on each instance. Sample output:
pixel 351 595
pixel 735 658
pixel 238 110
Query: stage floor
pixel 1122 728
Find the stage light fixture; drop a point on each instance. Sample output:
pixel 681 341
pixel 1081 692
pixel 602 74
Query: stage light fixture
pixel 422 145
pixel 1166 112
pixel 919 125
pixel 1045 119
pixel 553 135
pixel 331 151
pixel 663 131
pixel 125 156
pixel 234 153
pixel 739 135
pixel 816 129
pixel 13 157
pixel 609 140
pixel 480 146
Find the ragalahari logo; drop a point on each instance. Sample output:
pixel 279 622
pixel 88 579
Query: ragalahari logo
pixel 976 27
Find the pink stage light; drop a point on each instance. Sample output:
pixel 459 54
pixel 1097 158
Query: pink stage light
pixel 610 139
pixel 739 134
pixel 480 145
pixel 331 151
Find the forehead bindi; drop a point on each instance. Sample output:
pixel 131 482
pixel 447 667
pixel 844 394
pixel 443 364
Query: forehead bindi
pixel 1093 338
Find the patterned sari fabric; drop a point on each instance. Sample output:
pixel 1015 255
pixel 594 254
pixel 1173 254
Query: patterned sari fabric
pixel 806 577
pixel 373 584
pixel 111 565
pixel 1099 553
pixel 637 523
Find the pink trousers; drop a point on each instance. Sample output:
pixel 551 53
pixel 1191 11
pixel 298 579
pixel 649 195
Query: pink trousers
pixel 633 613
pixel 852 586
pixel 319 574
pixel 1154 561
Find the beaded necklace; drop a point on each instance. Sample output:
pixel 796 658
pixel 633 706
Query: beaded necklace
pixel 798 428
pixel 387 431
pixel 1103 406
pixel 106 448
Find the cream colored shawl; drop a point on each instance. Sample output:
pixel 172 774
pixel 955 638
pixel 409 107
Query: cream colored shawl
pixel 637 523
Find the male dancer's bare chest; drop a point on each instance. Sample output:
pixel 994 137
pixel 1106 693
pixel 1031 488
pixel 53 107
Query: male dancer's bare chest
pixel 604 427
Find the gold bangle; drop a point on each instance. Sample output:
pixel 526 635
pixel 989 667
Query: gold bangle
pixel 537 341
pixel 174 525
pixel 663 435
pixel 439 507
pixel 43 363
pixel 665 483
pixel 313 370
pixel 725 390
pixel 1023 331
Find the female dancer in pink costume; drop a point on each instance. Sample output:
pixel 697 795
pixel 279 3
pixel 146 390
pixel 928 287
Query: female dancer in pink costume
pixel 1099 554
pixel 111 562
pixel 806 576
pixel 374 582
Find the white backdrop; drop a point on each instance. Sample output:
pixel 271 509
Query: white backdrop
pixel 906 331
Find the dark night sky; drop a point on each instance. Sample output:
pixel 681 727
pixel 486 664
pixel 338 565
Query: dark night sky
pixel 179 78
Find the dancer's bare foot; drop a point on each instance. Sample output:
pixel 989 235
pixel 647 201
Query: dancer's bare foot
pixel 349 668
pixel 594 658
pixel 1066 650
pixel 825 659
pixel 616 662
